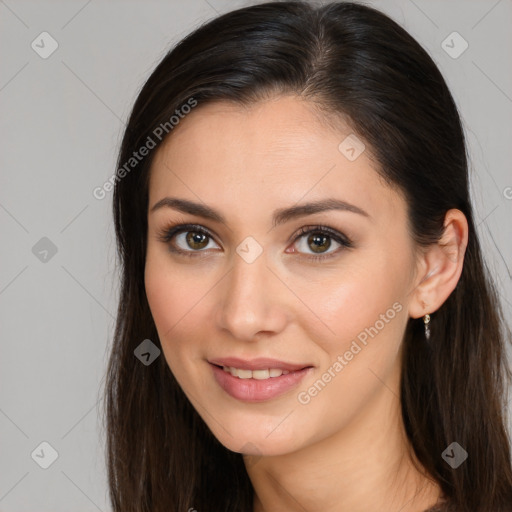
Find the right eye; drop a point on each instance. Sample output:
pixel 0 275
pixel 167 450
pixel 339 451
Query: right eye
pixel 190 238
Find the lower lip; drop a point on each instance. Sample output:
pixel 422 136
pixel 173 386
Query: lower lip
pixel 254 390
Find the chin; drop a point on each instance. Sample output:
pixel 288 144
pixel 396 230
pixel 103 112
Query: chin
pixel 249 440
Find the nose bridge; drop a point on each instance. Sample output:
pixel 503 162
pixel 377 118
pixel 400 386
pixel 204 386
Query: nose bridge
pixel 251 298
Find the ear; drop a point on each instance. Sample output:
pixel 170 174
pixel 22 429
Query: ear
pixel 440 266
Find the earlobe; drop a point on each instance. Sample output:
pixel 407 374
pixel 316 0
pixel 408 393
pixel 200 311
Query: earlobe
pixel 441 265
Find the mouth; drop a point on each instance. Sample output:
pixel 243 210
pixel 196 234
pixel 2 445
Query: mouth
pixel 258 384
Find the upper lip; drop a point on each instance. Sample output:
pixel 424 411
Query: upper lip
pixel 260 363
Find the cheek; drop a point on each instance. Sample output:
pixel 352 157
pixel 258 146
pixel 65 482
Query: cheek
pixel 366 320
pixel 365 311
pixel 354 300
pixel 161 292
pixel 172 291
pixel 169 302
pixel 178 306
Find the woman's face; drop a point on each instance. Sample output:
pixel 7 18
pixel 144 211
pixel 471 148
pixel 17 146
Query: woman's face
pixel 250 287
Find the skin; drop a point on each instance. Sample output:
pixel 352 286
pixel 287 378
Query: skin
pixel 346 449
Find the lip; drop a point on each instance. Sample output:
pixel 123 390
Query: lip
pixel 254 390
pixel 261 363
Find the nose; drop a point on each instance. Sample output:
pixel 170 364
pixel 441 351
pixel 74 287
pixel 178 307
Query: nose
pixel 252 300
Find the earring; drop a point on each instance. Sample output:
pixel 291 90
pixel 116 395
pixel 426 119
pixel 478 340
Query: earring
pixel 426 321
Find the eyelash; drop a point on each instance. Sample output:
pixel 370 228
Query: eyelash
pixel 170 231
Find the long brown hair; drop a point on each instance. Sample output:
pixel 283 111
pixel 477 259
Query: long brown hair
pixel 351 60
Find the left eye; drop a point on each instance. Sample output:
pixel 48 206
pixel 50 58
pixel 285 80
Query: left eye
pixel 319 240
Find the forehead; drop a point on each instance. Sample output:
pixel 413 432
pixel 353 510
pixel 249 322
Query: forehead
pixel 283 127
pixel 277 151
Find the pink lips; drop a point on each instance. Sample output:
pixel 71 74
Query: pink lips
pixel 254 390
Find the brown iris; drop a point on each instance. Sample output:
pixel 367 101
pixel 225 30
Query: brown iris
pixel 320 242
pixel 193 237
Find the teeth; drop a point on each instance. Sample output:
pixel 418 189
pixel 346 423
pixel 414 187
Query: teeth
pixel 242 374
pixel 256 374
pixel 260 374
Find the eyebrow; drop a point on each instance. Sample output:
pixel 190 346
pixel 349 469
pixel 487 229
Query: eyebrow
pixel 280 216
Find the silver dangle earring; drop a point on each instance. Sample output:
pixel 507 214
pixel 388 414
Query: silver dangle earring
pixel 426 321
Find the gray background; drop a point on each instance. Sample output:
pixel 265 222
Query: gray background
pixel 61 122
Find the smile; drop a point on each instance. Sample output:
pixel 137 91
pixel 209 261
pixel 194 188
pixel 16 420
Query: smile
pixel 255 374
pixel 257 385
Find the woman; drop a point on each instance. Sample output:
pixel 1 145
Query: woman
pixel 302 281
